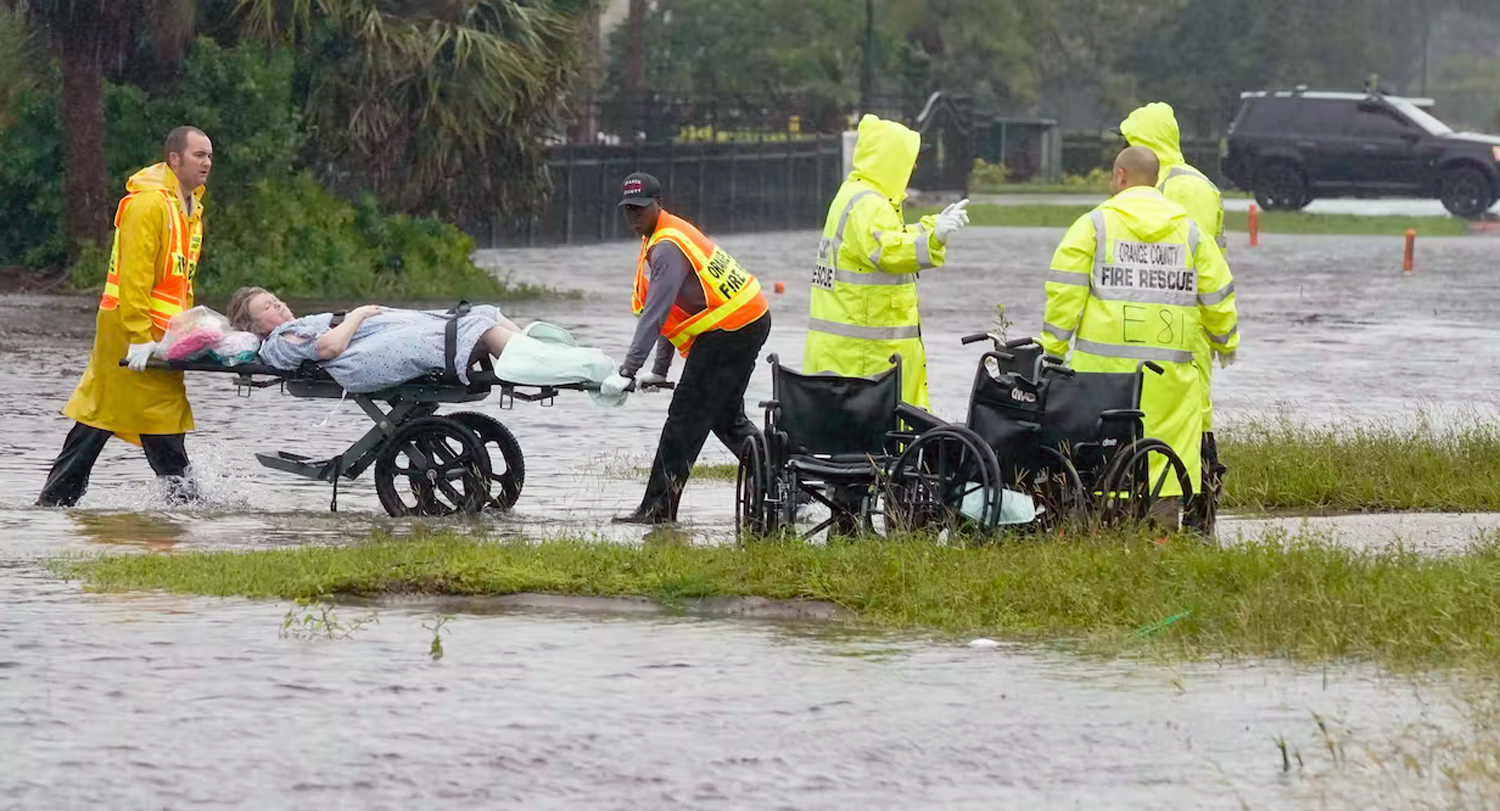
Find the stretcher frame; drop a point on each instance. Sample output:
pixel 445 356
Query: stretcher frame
pixel 405 402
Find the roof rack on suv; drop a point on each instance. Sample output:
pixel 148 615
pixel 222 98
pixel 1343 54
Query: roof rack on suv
pixel 1301 91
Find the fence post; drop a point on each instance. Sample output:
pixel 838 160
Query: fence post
pixel 604 172
pixel 702 159
pixel 568 197
pixel 734 198
pixel 817 164
pixel 760 192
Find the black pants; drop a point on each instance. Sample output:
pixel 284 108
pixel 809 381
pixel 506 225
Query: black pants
pixel 1202 508
pixel 70 473
pixel 710 398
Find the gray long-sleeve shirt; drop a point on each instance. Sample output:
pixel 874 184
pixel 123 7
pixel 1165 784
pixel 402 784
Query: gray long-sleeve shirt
pixel 672 282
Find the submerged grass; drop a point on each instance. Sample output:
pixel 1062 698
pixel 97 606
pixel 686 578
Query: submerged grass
pixel 1277 463
pixel 1298 597
pixel 1271 222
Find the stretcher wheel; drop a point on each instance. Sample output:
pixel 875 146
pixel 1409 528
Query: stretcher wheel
pixel 432 466
pixel 940 473
pixel 756 508
pixel 1129 492
pixel 507 466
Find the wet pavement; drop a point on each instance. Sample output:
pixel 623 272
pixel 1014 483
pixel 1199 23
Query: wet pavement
pixel 157 701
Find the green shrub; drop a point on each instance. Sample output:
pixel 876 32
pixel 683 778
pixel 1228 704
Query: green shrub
pixel 987 177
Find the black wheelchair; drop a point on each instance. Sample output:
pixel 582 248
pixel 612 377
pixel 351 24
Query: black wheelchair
pixel 1071 441
pixel 838 441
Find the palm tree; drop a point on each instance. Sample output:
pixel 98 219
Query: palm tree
pixel 92 39
pixel 437 106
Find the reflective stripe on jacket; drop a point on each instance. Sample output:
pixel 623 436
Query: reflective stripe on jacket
pixel 864 282
pixel 1133 281
pixel 146 283
pixel 732 294
pixel 177 240
pixel 1154 126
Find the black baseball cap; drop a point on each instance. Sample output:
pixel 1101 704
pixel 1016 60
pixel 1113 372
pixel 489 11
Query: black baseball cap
pixel 639 189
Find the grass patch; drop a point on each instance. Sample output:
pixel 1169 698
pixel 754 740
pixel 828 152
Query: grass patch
pixel 1271 222
pixel 1280 464
pixel 1297 222
pixel 1301 598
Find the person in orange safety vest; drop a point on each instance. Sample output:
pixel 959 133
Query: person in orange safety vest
pixel 157 240
pixel 692 297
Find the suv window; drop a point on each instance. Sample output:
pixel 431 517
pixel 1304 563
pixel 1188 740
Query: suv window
pixel 1323 117
pixel 1379 123
pixel 1265 115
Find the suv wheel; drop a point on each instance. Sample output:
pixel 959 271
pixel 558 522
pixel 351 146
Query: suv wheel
pixel 1465 192
pixel 1279 187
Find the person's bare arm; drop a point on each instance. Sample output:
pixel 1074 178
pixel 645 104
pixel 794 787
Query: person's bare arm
pixel 335 341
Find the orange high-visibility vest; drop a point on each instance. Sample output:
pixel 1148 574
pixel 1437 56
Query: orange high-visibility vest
pixel 731 292
pixel 174 291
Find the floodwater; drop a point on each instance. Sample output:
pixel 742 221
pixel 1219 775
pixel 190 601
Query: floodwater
pixel 160 701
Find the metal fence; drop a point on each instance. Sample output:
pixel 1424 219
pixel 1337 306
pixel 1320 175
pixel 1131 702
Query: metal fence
pixel 728 165
pixel 727 187
pixel 1084 152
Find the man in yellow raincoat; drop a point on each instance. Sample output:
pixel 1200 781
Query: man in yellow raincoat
pixel 1135 280
pixel 158 237
pixel 864 286
pixel 1154 126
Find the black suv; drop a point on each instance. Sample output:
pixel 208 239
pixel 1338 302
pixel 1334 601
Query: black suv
pixel 1291 146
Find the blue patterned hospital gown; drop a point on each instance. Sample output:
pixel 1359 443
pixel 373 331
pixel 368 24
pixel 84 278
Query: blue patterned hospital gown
pixel 389 348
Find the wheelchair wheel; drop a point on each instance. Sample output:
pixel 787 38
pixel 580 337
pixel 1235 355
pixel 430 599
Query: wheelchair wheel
pixel 939 475
pixel 1058 490
pixel 507 465
pixel 432 466
pixel 756 506
pixel 1127 489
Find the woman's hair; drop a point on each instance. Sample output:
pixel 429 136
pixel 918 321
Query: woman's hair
pixel 239 314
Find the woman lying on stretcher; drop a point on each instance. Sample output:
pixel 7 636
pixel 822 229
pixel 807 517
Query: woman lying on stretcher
pixel 377 347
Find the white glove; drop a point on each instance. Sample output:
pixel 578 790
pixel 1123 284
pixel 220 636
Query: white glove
pixel 138 354
pixel 953 218
pixel 648 381
pixel 1226 360
pixel 615 385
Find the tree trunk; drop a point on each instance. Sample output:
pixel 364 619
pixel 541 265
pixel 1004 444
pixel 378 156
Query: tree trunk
pixel 634 78
pixel 87 213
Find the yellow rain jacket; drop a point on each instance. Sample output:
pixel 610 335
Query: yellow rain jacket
pixel 1135 280
pixel 111 396
pixel 864 286
pixel 1155 127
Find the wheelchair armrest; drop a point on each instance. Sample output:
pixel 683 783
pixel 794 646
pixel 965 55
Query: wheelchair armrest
pixel 772 408
pixel 1121 414
pixel 917 418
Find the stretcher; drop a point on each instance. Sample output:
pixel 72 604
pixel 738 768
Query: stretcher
pixel 424 463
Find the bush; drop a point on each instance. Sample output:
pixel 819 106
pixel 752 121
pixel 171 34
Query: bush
pixel 267 221
pixel 1097 178
pixel 988 177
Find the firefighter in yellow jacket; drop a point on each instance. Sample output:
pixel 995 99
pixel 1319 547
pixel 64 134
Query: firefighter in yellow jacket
pixel 1136 279
pixel 1154 126
pixel 864 285
pixel 158 236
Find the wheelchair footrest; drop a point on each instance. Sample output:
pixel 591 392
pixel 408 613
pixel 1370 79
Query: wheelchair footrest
pixel 321 469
